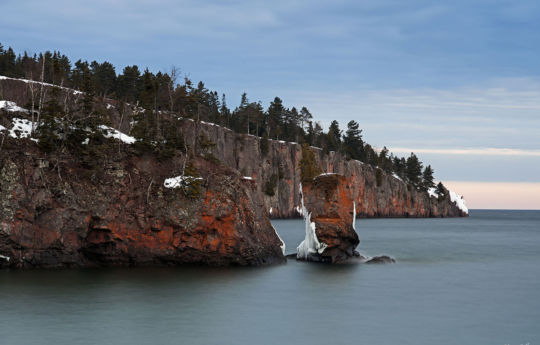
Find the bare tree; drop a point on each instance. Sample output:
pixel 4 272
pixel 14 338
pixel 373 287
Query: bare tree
pixel 172 86
pixel 33 89
pixel 41 91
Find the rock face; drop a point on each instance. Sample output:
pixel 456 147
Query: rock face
pixel 56 213
pixel 331 208
pixel 387 196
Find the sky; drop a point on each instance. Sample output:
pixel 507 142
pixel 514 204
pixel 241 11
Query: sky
pixel 458 83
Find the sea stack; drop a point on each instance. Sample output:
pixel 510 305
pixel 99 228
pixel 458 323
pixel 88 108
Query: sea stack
pixel 329 212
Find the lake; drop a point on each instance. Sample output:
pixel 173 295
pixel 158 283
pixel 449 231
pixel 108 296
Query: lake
pixel 469 280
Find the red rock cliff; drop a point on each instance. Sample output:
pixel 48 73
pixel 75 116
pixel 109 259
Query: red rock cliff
pixel 56 213
pixel 390 198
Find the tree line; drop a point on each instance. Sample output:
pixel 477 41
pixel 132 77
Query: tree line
pixel 168 92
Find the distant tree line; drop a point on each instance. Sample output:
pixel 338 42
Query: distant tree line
pixel 158 93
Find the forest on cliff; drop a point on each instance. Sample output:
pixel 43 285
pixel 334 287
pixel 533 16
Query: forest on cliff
pixel 152 98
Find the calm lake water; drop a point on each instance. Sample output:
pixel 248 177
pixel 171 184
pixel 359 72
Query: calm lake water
pixel 457 281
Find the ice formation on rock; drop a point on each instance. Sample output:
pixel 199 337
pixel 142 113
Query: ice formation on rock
pixel 310 246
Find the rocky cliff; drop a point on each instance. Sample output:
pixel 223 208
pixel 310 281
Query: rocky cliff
pixel 55 212
pixel 387 196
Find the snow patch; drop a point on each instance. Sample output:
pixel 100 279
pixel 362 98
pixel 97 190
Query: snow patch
pixel 12 107
pixel 325 174
pixel 310 245
pixel 396 176
pixel 271 209
pixel 299 210
pixel 247 178
pixel 432 192
pixel 180 181
pixel 460 202
pixel 2 128
pixel 7 258
pixel 40 83
pixel 21 128
pixel 116 134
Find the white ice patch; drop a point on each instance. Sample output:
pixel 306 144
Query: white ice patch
pixel 12 107
pixel 460 202
pixel 282 243
pixel 21 128
pixel 432 193
pixel 310 245
pixel 354 216
pixel 116 134
pixel 180 181
pixel 271 209
pixel 7 258
pixel 325 174
pixel 299 210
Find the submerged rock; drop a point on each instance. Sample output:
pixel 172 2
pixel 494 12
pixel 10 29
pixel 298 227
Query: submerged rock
pixel 383 259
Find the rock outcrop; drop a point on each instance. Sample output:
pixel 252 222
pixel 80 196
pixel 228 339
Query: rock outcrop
pixel 331 212
pixel 54 212
pixel 386 196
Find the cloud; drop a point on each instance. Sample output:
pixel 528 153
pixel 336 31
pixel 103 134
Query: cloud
pixel 470 151
pixel 498 195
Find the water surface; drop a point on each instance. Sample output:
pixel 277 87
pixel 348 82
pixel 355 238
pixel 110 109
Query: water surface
pixel 457 281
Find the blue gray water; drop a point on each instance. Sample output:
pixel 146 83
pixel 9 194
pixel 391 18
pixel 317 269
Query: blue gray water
pixel 457 281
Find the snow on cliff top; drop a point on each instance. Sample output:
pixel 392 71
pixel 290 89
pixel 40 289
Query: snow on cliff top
pixel 39 83
pixel 116 134
pixel 460 202
pixel 11 107
pixel 180 181
pixel 454 197
pixel 21 128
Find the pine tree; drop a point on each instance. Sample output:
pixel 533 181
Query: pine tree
pixel 334 137
pixel 414 170
pixel 275 118
pixel 308 166
pixel 441 191
pixel 353 144
pixel 427 178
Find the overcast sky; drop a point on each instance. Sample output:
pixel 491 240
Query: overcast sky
pixel 458 83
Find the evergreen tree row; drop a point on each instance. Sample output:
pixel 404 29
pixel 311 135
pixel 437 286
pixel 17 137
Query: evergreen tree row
pixel 162 92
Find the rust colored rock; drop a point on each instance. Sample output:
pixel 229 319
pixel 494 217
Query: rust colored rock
pixel 389 197
pixel 331 207
pixel 122 214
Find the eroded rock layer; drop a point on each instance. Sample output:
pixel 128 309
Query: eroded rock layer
pixel 329 201
pixel 58 213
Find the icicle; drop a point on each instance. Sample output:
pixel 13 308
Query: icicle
pixel 282 243
pixel 310 245
pixel 354 216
